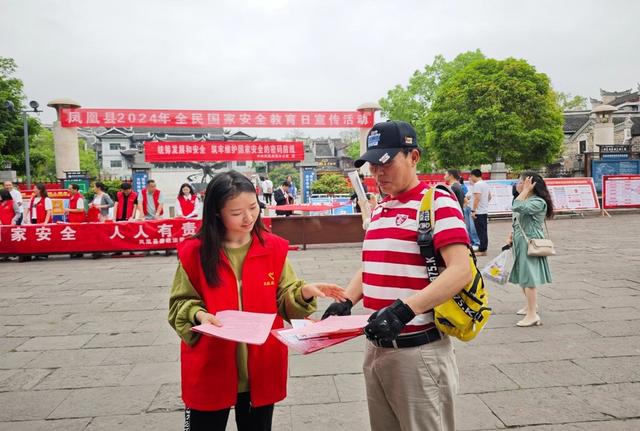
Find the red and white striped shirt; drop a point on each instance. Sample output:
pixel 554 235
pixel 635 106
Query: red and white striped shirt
pixel 392 267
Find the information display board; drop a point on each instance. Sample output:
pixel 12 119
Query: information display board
pixel 599 168
pixel 621 191
pixel 571 194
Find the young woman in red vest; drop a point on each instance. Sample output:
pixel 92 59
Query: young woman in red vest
pixel 233 263
pixel 187 203
pixel 40 206
pixel 75 211
pixel 9 209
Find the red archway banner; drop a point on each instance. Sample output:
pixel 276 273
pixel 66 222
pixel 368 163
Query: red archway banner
pixel 89 117
pixel 212 151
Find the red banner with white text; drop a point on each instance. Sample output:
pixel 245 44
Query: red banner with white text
pixel 223 151
pixel 89 117
pixel 163 234
pixel 95 237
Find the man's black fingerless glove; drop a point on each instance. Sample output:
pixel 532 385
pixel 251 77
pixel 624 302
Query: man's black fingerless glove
pixel 386 324
pixel 338 309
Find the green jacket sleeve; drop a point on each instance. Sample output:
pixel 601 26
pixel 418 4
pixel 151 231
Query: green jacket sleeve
pixel 184 303
pixel 291 304
pixel 531 206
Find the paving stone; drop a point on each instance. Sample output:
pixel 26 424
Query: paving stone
pixel 145 374
pixel 121 340
pixel 9 344
pixel 37 329
pixel 539 406
pixel 68 358
pixel 55 343
pixel 46 425
pixel 609 425
pixel 12 360
pixel 148 422
pixel 614 329
pixel 321 363
pixel 310 390
pixel 473 414
pixel 106 401
pixel 20 379
pixel 85 377
pixel 141 354
pixel 618 400
pixel 613 370
pixel 320 417
pixel 168 399
pixel 29 405
pixel 351 387
pixel 548 374
pixel 483 378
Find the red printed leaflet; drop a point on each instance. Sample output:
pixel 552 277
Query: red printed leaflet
pixel 223 151
pixel 89 117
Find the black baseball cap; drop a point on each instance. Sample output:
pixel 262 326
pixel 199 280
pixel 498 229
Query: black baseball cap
pixel 385 140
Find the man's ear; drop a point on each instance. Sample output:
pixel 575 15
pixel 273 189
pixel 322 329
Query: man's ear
pixel 415 156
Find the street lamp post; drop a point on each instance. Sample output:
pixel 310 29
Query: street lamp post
pixel 25 128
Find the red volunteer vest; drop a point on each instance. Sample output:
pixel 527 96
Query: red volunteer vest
pixel 41 212
pixel 6 212
pixel 130 206
pixel 187 205
pixel 209 370
pixel 156 201
pixel 73 204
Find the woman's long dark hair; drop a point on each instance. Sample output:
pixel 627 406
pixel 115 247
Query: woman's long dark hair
pixel 186 185
pixel 540 189
pixel 42 190
pixel 221 189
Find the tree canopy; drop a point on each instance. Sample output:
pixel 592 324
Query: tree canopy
pixel 568 102
pixel 413 102
pixel 496 109
pixel 330 183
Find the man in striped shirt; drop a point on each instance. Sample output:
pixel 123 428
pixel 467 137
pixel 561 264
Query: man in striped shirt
pixel 410 369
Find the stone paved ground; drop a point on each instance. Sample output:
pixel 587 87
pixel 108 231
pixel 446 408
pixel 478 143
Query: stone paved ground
pixel 84 345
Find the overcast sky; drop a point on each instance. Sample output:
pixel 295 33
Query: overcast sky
pixel 299 55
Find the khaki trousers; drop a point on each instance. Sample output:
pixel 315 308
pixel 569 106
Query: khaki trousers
pixel 411 389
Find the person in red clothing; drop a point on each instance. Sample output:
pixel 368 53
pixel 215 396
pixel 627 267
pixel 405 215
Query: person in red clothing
pixel 126 203
pixel 150 202
pixel 233 263
pixel 40 206
pixel 187 203
pixel 75 211
pixel 9 209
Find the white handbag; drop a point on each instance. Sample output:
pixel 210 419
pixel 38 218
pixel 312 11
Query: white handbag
pixel 538 247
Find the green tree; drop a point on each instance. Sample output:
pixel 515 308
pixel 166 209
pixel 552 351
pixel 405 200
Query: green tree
pixel 278 174
pixel 11 123
pixel 413 102
pixel 330 183
pixel 42 158
pixel 496 109
pixel 568 102
pixel 353 150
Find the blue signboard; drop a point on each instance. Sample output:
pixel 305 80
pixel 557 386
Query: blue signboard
pixel 612 167
pixel 347 209
pixel 139 180
pixel 308 177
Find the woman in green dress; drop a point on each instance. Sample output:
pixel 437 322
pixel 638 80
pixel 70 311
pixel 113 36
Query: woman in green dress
pixel 530 209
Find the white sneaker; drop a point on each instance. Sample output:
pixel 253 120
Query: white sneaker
pixel 475 248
